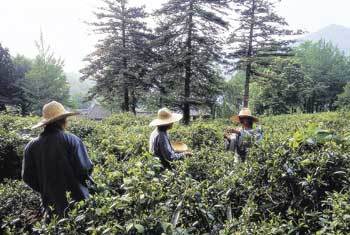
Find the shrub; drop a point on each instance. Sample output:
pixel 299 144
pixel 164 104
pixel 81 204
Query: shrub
pixel 14 134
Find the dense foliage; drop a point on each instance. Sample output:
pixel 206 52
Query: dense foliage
pixel 260 34
pixel 328 69
pixel 295 181
pixel 44 79
pixel 343 99
pixel 27 84
pixel 9 80
pixel 314 80
pixel 178 56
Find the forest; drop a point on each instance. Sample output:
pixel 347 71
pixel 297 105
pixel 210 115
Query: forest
pixel 187 55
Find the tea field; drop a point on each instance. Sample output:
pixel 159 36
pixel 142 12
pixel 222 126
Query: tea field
pixel 296 181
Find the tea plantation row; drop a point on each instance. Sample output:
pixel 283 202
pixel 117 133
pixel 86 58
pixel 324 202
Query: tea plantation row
pixel 296 181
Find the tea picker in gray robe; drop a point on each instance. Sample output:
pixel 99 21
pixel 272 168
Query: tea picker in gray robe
pixel 159 143
pixel 241 139
pixel 56 162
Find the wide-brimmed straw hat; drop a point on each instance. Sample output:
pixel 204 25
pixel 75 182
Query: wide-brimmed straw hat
pixel 166 117
pixel 179 147
pixel 244 113
pixel 52 112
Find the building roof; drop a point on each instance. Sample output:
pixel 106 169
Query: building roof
pixel 196 112
pixel 97 112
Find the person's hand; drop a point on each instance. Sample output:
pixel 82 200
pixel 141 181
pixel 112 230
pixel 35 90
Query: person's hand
pixel 229 132
pixel 188 153
pixel 235 131
pixel 227 136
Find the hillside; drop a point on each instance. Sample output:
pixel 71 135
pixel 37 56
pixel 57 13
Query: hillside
pixel 337 34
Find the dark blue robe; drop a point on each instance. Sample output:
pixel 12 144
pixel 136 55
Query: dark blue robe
pixel 55 163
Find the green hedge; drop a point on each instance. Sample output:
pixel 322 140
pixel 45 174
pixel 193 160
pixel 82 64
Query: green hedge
pixel 14 134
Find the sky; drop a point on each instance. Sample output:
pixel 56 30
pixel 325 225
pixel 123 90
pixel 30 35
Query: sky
pixel 63 23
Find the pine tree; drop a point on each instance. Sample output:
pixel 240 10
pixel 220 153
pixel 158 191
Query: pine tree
pixel 121 59
pixel 261 33
pixel 190 34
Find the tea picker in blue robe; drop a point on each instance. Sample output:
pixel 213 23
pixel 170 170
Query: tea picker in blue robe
pixel 56 163
pixel 239 140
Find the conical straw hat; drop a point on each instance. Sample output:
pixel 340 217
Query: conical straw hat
pixel 245 112
pixel 52 112
pixel 165 117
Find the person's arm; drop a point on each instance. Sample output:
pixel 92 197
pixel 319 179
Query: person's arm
pixel 29 174
pixel 231 142
pixel 229 135
pixel 227 140
pixel 166 150
pixel 254 134
pixel 81 163
pixel 259 134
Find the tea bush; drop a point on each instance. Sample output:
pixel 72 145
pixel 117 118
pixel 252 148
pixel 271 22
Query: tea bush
pixel 14 134
pixel 296 181
pixel 19 205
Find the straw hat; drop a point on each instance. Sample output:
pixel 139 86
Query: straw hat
pixel 244 113
pixel 52 112
pixel 165 117
pixel 179 147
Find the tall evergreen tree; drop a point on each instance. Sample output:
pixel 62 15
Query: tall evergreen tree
pixel 190 31
pixel 260 33
pixel 121 58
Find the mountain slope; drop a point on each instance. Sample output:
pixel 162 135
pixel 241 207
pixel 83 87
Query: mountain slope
pixel 337 34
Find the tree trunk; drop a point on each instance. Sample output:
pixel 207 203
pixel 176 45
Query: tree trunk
pixel 126 105
pixel 188 68
pixel 133 102
pixel 249 56
pixel 24 110
pixel 126 99
pixel 213 111
pixel 161 95
pixel 2 107
pixel 160 105
pixel 246 85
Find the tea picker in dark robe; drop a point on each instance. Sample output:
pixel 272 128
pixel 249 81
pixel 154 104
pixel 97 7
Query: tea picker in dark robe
pixel 159 142
pixel 239 140
pixel 56 162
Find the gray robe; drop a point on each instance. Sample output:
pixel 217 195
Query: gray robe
pixel 160 146
pixel 240 143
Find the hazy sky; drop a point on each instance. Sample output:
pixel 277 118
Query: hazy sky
pixel 62 22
